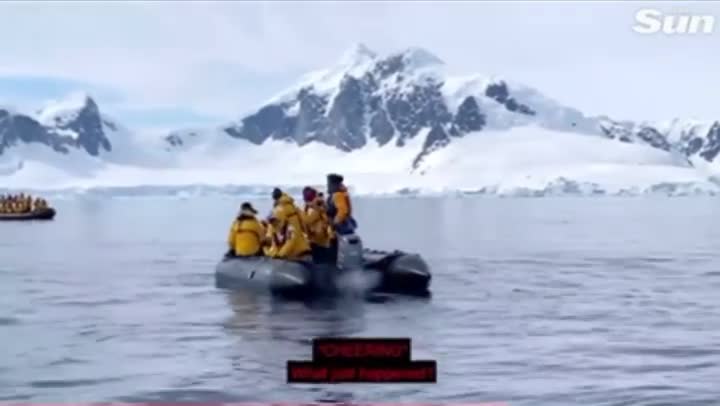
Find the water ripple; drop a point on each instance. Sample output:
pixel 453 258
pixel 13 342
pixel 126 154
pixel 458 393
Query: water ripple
pixel 608 306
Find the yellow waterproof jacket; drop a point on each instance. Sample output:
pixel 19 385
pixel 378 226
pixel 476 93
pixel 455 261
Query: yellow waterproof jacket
pixel 246 236
pixel 286 211
pixel 287 242
pixel 288 236
pixel 342 205
pixel 317 224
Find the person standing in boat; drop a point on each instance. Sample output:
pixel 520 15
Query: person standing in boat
pixel 339 211
pixel 246 233
pixel 339 206
pixel 317 226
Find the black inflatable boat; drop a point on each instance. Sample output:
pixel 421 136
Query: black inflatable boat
pixel 42 214
pixel 381 272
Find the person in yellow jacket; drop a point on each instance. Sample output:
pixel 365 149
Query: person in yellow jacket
pixel 286 241
pixel 317 226
pixel 339 206
pixel 288 235
pixel 284 208
pixel 246 233
pixel 339 211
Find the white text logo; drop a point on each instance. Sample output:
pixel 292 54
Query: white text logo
pixel 651 21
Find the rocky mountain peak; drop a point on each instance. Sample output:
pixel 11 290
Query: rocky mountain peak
pixel 61 112
pixel 72 122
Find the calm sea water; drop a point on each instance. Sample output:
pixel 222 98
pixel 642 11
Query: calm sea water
pixel 606 301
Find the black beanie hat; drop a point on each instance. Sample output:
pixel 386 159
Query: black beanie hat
pixel 334 178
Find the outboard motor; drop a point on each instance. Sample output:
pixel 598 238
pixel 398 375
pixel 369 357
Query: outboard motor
pixel 350 252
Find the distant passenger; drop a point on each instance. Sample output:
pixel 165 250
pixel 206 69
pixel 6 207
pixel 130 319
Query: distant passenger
pixel 15 205
pixel 317 226
pixel 40 204
pixel 246 234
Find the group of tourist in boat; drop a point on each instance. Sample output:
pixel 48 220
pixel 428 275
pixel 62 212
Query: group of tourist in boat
pixel 21 203
pixel 292 233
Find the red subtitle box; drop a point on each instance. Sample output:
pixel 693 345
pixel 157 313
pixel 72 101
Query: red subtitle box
pixel 409 372
pixel 365 350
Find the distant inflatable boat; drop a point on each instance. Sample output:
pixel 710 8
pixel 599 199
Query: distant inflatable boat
pixel 381 272
pixel 42 214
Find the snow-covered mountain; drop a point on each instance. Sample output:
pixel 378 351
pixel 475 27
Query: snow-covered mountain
pixel 72 123
pixel 368 99
pixel 402 107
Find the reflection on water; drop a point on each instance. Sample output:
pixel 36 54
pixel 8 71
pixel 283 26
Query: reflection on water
pixel 262 317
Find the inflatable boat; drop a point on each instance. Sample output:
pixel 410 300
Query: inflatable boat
pixel 380 272
pixel 42 214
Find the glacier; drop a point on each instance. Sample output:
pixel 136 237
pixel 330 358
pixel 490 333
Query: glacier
pixel 393 125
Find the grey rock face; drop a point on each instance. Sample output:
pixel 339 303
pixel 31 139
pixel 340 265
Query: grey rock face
pixel 500 93
pixel 712 147
pixel 16 129
pixel 469 118
pixel 174 139
pixel 381 128
pixel 436 139
pixel 88 124
pixel 630 133
pixel 260 126
pixel 386 103
pixel 310 122
pixel 654 138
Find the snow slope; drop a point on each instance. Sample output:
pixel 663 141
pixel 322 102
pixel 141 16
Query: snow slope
pixel 502 162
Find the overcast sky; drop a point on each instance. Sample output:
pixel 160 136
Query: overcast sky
pixel 170 64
